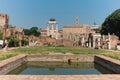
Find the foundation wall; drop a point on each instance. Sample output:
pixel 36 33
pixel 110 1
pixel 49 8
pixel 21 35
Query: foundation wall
pixel 61 58
pixel 109 63
pixel 11 63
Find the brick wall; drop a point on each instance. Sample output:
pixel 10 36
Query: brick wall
pixel 114 41
pixel 53 41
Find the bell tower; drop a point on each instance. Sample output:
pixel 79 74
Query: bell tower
pixel 76 21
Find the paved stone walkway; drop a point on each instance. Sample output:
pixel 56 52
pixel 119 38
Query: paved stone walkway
pixel 60 77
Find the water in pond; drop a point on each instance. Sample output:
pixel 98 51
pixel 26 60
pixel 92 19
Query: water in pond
pixel 49 68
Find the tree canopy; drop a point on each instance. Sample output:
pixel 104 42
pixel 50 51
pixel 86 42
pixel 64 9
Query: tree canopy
pixel 1 35
pixel 112 24
pixel 32 31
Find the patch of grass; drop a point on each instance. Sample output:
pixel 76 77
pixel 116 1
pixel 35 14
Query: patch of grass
pixel 115 55
pixel 5 55
pixel 59 49
pixel 77 50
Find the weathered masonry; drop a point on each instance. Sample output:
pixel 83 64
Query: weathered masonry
pixel 12 63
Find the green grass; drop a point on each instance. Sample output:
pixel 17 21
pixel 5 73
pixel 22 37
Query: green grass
pixel 47 50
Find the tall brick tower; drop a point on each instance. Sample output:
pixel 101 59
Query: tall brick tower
pixel 4 21
pixel 76 21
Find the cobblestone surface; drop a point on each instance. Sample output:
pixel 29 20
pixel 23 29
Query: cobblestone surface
pixel 60 77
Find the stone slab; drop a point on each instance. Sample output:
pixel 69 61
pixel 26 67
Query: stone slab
pixel 60 77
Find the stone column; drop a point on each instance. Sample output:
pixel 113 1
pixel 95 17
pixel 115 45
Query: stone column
pixel 93 41
pixel 98 43
pixel 52 26
pixel 83 41
pixel 52 30
pixel 102 41
pixel 56 27
pixel 48 28
pixel 109 44
pixel 56 33
pixel 90 42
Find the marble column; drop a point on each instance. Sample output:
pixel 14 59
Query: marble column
pixel 52 26
pixel 56 27
pixel 90 42
pixel 93 41
pixel 83 42
pixel 98 43
pixel 109 44
pixel 48 29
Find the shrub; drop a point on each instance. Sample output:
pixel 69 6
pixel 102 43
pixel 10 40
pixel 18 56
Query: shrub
pixel 24 42
pixel 60 46
pixel 13 43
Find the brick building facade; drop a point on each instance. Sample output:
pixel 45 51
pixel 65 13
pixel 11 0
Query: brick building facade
pixel 75 32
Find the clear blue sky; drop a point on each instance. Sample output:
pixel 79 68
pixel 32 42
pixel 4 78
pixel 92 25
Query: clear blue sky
pixel 28 13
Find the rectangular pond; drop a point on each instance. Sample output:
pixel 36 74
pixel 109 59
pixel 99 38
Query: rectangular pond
pixel 59 68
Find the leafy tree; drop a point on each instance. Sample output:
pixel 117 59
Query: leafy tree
pixel 1 35
pixel 32 31
pixel 12 42
pixel 112 24
pixel 8 38
pixel 27 32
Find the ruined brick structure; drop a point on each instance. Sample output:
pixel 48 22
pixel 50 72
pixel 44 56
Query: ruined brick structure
pixel 17 33
pixel 8 30
pixel 44 40
pixel 4 22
